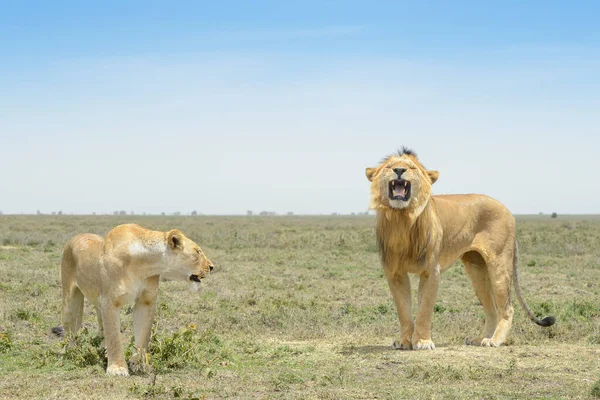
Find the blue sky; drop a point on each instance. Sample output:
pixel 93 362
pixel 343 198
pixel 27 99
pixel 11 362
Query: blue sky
pixel 229 106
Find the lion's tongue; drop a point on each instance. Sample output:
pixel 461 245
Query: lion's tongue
pixel 399 190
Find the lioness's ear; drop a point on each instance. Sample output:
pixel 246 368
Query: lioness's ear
pixel 433 175
pixel 174 239
pixel 369 172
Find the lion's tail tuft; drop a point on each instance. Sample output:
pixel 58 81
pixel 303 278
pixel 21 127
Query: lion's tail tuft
pixel 548 321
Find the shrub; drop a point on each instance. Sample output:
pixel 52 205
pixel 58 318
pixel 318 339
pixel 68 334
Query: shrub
pixel 86 351
pixel 6 342
pixel 185 347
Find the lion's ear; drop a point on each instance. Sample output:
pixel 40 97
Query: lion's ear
pixel 369 172
pixel 433 175
pixel 174 238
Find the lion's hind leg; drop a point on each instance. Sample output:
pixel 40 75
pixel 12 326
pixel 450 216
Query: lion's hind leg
pixel 500 278
pixel 476 269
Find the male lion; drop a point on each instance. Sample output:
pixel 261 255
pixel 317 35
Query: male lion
pixel 423 234
pixel 125 267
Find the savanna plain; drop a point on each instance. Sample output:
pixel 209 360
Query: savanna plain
pixel 298 308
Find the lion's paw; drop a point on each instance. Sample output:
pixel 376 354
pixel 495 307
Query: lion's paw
pixel 404 345
pixel 117 370
pixel 488 342
pixel 483 342
pixel 424 344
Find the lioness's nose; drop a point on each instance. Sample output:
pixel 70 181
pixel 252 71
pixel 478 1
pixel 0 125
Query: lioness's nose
pixel 211 267
pixel 399 171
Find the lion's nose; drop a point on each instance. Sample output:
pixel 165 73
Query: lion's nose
pixel 399 171
pixel 211 267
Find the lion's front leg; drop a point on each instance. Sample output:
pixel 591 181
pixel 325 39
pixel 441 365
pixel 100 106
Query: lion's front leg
pixel 428 289
pixel 400 288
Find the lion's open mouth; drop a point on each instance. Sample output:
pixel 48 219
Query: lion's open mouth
pixel 194 278
pixel 400 190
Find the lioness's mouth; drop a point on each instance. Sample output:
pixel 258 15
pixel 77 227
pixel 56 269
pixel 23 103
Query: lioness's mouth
pixel 194 278
pixel 400 190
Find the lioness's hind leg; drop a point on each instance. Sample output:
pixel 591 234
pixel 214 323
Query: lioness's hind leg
pixel 100 326
pixel 480 279
pixel 72 310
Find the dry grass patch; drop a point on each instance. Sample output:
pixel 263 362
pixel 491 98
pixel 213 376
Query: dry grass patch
pixel 298 309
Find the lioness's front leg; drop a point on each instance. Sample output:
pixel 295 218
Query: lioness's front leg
pixel 143 312
pixel 428 289
pixel 112 338
pixel 400 288
pixel 143 317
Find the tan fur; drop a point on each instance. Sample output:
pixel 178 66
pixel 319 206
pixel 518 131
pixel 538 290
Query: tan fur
pixel 426 234
pixel 123 268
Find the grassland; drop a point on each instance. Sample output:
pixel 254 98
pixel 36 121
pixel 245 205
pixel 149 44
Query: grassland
pixel 297 309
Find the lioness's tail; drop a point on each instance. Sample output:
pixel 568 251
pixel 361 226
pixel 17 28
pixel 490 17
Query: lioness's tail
pixel 58 331
pixel 548 321
pixel 72 299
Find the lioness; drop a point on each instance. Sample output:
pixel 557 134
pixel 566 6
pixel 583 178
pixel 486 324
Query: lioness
pixel 423 234
pixel 124 267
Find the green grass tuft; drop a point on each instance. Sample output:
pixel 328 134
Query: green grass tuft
pixel 6 342
pixel 595 392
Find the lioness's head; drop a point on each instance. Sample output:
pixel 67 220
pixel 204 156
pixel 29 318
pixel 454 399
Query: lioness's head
pixel 401 182
pixel 185 258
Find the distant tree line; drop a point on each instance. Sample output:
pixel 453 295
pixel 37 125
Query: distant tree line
pixel 250 213
pixel 195 213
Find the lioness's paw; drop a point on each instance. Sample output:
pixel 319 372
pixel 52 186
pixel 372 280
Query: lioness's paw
pixel 424 344
pixel 397 345
pixel 116 370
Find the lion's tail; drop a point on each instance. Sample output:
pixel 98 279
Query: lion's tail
pixel 548 321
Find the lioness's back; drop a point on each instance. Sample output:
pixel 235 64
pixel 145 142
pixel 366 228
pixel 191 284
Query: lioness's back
pixel 84 246
pixel 82 252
